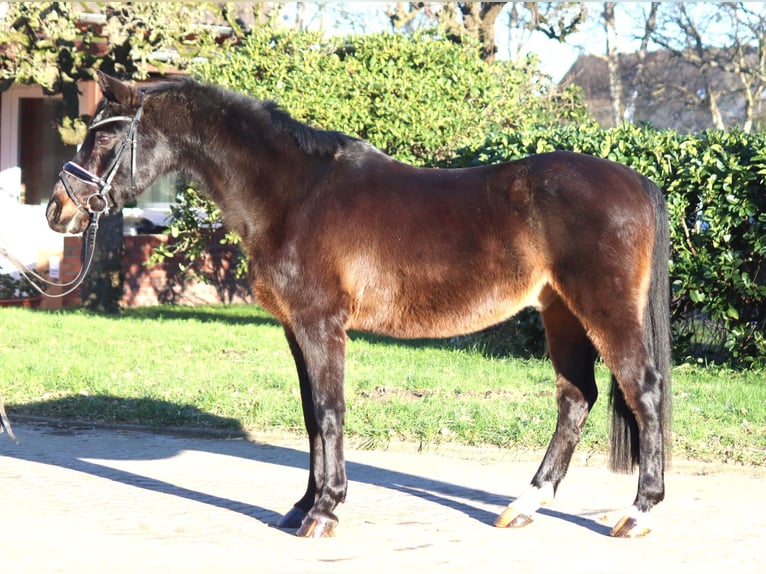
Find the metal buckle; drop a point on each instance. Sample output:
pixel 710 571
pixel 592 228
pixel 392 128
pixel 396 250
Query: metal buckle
pixel 92 202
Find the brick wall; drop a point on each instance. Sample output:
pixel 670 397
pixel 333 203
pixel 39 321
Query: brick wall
pixel 165 283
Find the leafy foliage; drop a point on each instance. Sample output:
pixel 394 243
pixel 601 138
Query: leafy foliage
pixel 12 288
pixel 57 44
pixel 54 44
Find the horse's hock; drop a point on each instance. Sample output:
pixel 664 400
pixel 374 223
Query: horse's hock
pixel 146 285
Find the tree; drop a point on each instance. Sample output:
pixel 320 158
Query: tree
pixel 712 59
pixel 478 19
pixel 613 63
pixel 623 107
pixel 555 20
pixel 57 44
pixel 649 20
pixel 727 46
pixel 682 34
pixel 392 90
pixel 746 54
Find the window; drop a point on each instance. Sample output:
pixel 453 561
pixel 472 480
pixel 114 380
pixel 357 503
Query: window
pixel 30 143
pixel 162 191
pixel 41 151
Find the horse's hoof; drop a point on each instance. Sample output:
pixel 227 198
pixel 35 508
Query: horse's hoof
pixel 293 519
pixel 512 518
pixel 317 528
pixel 629 527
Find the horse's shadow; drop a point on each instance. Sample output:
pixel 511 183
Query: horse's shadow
pixel 80 455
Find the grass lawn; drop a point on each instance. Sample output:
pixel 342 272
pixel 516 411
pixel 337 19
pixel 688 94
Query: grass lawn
pixel 230 367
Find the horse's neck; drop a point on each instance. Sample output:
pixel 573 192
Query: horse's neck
pixel 248 179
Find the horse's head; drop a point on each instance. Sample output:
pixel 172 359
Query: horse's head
pixel 104 174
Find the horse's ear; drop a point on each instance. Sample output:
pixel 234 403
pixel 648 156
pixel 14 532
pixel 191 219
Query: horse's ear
pixel 116 91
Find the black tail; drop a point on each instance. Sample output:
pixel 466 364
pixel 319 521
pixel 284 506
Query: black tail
pixel 624 449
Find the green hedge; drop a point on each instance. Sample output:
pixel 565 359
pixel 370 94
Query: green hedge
pixel 716 193
pixel 418 98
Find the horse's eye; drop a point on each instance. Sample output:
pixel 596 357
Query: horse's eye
pixel 103 139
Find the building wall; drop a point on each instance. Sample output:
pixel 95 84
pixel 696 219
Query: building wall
pixel 165 283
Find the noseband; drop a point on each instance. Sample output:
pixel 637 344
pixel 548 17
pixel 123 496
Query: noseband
pixel 99 202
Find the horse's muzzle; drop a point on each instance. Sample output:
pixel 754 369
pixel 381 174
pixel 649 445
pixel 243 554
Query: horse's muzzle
pixel 63 215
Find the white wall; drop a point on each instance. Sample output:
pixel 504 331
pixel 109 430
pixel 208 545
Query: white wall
pixel 24 232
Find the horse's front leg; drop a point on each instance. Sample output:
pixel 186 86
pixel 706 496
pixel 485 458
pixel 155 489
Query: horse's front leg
pixel 295 516
pixel 319 349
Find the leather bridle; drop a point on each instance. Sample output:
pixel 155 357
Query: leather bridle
pixel 101 200
pixel 95 204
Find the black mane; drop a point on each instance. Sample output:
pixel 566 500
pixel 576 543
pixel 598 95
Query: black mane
pixel 310 140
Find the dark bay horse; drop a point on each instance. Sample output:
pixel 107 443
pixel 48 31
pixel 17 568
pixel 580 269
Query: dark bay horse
pixel 340 236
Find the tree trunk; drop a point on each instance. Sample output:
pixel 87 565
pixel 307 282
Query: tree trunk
pixel 747 125
pixel 479 21
pixel 613 64
pixel 715 111
pixel 638 81
pixel 102 289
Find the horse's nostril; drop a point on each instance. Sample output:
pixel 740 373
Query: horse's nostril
pixel 53 211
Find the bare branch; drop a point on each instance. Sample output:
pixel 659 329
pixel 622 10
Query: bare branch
pixel 734 61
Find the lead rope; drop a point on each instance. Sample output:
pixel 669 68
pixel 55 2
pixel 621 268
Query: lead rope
pixel 34 278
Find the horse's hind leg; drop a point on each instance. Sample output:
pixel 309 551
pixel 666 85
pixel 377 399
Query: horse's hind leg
pixel 616 328
pixel 641 386
pixel 573 356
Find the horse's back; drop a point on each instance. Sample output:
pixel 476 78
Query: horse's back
pixel 424 252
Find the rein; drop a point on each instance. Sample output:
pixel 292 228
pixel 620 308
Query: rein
pixel 95 204
pixel 33 278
